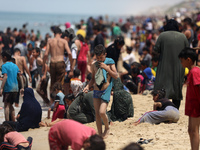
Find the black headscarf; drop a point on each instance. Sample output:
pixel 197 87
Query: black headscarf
pixel 30 113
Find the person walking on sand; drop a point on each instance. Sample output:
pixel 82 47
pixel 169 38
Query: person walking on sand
pixel 103 70
pixel 56 48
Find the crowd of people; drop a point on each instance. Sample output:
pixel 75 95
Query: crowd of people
pixel 83 70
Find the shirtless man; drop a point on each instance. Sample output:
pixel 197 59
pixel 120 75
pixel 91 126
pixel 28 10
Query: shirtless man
pixel 102 87
pixel 21 63
pixel 188 30
pixel 56 47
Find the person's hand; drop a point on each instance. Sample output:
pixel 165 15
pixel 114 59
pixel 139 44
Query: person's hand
pixel 22 92
pixel 70 75
pixel 103 66
pixel 43 77
pixel 54 109
pixel 86 89
pixel 30 79
pixel 1 92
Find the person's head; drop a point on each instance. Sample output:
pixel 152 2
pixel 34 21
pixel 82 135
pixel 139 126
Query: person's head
pixel 18 39
pixel 36 52
pixel 95 142
pixel 77 73
pixel 57 30
pixel 133 146
pixel 80 37
pixel 172 25
pixel 129 49
pixel 119 42
pixel 187 56
pixel 155 61
pixel 89 77
pixel 70 33
pixel 13 60
pixel 187 22
pixel 17 51
pixel 158 94
pixel 6 55
pixel 57 87
pixel 32 31
pixel 42 44
pixel 100 52
pixel 96 29
pixel 135 72
pixel 69 99
pixel 4 129
pixel 145 51
pixel 144 64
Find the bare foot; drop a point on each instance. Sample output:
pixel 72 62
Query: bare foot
pixel 42 124
pixel 136 123
pixel 106 133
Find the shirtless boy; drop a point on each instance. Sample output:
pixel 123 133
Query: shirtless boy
pixel 21 63
pixel 102 88
pixel 56 47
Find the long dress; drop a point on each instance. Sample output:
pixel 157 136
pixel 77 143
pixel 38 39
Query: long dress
pixel 170 73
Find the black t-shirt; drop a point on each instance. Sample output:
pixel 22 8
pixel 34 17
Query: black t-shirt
pixel 165 102
pixel 98 40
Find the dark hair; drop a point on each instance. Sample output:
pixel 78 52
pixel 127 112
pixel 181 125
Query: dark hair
pixel 4 129
pixel 136 70
pixel 42 44
pixel 17 50
pixel 77 72
pixel 155 59
pixel 18 39
pixel 188 20
pixel 13 60
pixel 37 50
pixel 96 143
pixel 172 25
pixel 145 49
pixel 119 40
pixel 69 97
pixel 57 30
pixel 133 146
pixel 129 48
pixel 57 86
pixel 7 54
pixel 80 37
pixel 15 29
pixel 144 63
pixel 97 27
pixel 136 64
pixel 188 53
pixel 89 76
pixel 99 49
pixel 53 95
pixel 161 93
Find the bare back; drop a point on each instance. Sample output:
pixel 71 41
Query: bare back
pixel 19 60
pixel 56 49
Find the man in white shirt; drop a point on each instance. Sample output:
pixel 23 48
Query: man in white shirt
pixel 130 58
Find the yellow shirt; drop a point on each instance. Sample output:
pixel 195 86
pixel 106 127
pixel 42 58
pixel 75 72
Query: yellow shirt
pixel 153 72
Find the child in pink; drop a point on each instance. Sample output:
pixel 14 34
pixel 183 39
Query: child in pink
pixel 192 106
pixel 71 133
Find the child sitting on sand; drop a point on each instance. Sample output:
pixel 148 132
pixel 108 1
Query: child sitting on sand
pixel 192 105
pixel 10 139
pixel 163 110
pixel 103 70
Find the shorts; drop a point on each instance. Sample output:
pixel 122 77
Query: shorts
pixel 9 97
pixel 98 94
pixel 67 79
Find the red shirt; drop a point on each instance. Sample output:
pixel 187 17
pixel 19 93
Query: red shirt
pixel 69 132
pixel 192 105
pixel 82 56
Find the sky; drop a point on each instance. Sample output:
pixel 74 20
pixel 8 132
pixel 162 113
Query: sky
pixel 86 7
